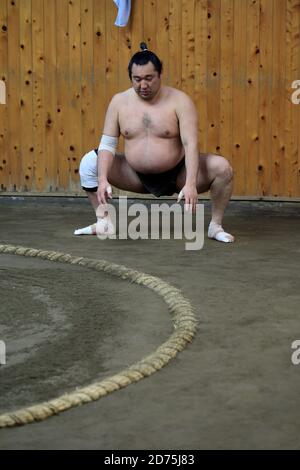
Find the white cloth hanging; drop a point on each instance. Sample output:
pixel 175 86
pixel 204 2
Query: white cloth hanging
pixel 124 7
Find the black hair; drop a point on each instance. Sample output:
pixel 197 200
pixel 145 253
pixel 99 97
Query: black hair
pixel 143 57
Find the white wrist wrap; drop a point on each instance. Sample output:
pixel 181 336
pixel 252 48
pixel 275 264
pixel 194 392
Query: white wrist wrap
pixel 108 143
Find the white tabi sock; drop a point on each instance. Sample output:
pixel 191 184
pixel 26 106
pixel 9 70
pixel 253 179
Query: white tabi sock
pixel 90 230
pixel 217 232
pixel 104 226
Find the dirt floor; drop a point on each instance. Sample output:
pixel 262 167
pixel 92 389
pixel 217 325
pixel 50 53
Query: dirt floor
pixel 64 326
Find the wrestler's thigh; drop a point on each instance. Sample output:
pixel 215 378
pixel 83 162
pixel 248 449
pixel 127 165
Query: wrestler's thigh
pixel 122 176
pixel 209 166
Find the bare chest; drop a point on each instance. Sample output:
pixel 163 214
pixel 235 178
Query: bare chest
pixel 157 122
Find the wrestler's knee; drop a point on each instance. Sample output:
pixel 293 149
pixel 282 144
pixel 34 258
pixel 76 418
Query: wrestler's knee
pixel 222 168
pixel 226 170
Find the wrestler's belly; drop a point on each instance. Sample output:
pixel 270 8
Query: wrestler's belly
pixel 153 155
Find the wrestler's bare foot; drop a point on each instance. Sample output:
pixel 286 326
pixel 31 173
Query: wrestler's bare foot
pixel 89 230
pixel 217 232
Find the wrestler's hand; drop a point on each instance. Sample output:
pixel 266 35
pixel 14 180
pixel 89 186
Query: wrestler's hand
pixel 104 192
pixel 190 196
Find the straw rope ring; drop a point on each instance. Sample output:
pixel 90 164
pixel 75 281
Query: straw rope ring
pixel 184 323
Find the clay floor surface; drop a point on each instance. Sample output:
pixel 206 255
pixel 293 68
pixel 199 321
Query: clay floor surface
pixel 233 387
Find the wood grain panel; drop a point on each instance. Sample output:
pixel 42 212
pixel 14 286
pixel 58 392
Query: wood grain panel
pixel 4 137
pixel 63 60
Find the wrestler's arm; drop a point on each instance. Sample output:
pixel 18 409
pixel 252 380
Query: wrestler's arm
pixel 188 126
pixel 105 157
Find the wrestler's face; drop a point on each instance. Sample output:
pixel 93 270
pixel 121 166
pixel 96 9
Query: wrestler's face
pixel 145 81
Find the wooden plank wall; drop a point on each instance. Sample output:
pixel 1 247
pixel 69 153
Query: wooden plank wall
pixel 62 60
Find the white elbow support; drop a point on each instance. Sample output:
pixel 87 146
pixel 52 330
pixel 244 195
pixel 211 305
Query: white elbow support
pixel 108 143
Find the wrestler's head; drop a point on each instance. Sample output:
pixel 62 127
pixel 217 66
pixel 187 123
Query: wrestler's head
pixel 145 73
